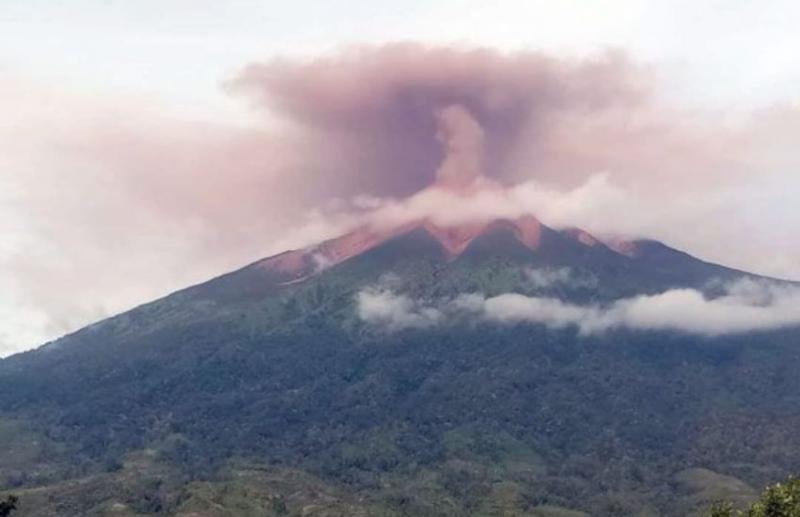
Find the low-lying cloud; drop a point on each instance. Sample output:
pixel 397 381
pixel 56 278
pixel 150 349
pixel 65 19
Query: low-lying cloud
pixel 598 206
pixel 743 306
pixel 550 277
pixel 395 311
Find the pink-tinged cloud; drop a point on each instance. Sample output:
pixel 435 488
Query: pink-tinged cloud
pixel 462 140
pixel 375 108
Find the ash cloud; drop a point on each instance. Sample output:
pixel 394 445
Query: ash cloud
pixel 376 111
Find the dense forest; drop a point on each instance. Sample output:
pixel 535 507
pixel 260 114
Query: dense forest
pixel 237 397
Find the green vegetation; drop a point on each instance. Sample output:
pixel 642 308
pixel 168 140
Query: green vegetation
pixel 778 500
pixel 238 398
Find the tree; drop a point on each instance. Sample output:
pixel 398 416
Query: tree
pixel 8 506
pixel 778 500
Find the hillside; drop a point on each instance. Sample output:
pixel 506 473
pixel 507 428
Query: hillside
pixel 278 389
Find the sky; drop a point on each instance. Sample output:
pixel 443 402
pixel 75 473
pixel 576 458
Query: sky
pixel 150 145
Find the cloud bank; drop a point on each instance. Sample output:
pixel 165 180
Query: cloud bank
pixel 743 306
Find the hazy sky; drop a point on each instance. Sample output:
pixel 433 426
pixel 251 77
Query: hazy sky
pixel 137 157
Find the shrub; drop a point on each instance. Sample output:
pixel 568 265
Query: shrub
pixel 778 500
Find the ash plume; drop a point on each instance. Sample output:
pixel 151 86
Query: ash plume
pixel 375 112
pixel 462 141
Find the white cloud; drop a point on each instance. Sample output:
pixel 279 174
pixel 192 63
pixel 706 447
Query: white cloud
pixel 395 311
pixel 597 205
pixel 548 277
pixel 513 307
pixel 744 306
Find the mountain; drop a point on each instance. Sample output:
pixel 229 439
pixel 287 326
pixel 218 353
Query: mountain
pixel 356 377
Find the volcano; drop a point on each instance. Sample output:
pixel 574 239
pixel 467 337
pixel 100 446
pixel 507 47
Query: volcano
pixel 268 390
pixel 426 366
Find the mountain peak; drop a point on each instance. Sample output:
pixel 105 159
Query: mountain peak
pixel 456 239
pixel 297 265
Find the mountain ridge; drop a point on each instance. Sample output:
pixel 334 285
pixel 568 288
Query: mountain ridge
pixel 300 264
pixel 269 368
pixel 294 267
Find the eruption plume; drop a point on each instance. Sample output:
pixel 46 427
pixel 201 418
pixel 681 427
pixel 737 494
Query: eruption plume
pixel 462 139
